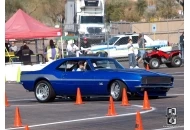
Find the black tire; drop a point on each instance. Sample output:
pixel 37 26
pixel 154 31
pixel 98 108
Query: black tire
pixel 154 97
pixel 169 65
pixel 121 85
pixel 50 94
pixel 176 61
pixel 154 63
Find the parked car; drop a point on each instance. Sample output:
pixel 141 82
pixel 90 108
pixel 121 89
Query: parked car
pixel 103 76
pixel 156 57
pixel 117 45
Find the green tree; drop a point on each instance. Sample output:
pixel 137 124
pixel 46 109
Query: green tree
pixel 141 6
pixel 54 10
pixel 115 10
pixel 11 6
pixel 167 8
pixel 150 13
pixel 131 14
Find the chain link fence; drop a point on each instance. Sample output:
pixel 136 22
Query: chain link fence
pixel 164 30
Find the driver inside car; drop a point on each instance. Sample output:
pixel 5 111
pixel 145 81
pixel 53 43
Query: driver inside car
pixel 82 66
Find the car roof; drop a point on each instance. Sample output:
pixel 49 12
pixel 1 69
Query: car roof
pixel 86 57
pixel 127 35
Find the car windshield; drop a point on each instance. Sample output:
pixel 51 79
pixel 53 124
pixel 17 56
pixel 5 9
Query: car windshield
pixel 111 41
pixel 106 64
pixel 91 19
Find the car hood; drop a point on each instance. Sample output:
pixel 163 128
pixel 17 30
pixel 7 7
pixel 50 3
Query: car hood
pixel 141 72
pixel 96 47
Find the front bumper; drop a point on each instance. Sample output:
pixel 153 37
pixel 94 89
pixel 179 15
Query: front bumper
pixel 93 36
pixel 153 86
pixel 153 90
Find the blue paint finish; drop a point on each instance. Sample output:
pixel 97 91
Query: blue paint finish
pixel 92 82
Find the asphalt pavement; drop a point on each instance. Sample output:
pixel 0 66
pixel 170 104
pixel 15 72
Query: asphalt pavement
pixel 63 114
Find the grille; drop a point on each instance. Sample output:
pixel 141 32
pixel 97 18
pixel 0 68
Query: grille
pixel 157 80
pixel 94 30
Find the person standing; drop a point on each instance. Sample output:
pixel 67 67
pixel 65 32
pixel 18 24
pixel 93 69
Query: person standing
pixel 72 49
pixel 24 45
pixel 7 48
pixel 141 47
pixel 51 51
pixel 85 46
pixel 182 45
pixel 13 47
pixel 131 55
pixel 25 55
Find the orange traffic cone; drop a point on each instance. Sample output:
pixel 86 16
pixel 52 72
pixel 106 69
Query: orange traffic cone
pixel 6 102
pixel 147 67
pixel 111 108
pixel 146 104
pixel 17 120
pixel 125 101
pixel 26 127
pixel 79 97
pixel 138 125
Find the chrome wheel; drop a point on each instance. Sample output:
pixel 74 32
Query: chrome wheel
pixel 115 90
pixel 42 91
pixel 155 63
pixel 177 61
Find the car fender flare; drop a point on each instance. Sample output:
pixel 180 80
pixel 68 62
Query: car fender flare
pixel 40 78
pixel 109 82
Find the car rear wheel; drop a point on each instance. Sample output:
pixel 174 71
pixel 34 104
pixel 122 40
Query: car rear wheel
pixel 116 88
pixel 44 92
pixel 154 63
pixel 176 61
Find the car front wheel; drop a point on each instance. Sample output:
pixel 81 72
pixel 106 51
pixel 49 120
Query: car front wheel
pixel 44 92
pixel 116 88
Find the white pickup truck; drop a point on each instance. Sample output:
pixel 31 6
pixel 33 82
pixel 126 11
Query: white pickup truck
pixel 116 46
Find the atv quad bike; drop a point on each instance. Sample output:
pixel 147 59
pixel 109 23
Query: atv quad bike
pixel 157 57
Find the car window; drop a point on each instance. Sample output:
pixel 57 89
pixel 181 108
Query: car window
pixel 135 39
pixel 111 41
pixel 122 41
pixel 144 40
pixel 72 65
pixel 105 64
pixel 67 66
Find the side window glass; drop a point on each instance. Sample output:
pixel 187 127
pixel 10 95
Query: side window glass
pixel 122 41
pixel 135 39
pixel 144 40
pixel 67 66
pixel 80 66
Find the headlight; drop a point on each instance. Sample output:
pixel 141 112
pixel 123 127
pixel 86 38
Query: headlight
pixel 103 30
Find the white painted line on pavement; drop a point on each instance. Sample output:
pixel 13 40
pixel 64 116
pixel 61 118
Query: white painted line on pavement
pixel 84 119
pixel 177 72
pixel 17 100
pixel 177 75
pixel 170 128
pixel 175 94
pixel 36 105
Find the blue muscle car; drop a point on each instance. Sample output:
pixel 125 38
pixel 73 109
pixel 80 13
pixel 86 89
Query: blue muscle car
pixel 102 77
